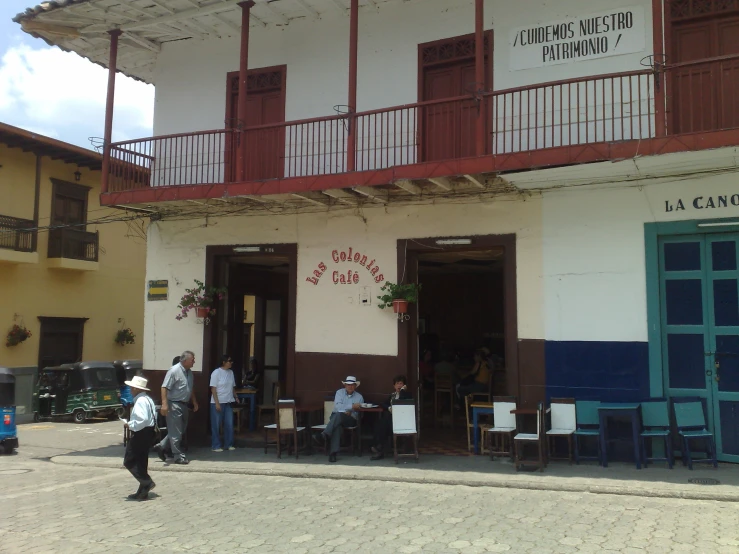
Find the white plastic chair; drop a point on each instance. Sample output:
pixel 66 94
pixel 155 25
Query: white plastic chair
pixel 404 425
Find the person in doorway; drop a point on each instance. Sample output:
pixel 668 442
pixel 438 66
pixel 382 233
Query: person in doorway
pixel 251 378
pixel 142 423
pixel 426 369
pixel 222 397
pixel 478 379
pixel 346 403
pixel 177 390
pixel 384 427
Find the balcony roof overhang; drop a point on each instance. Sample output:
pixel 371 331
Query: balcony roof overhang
pixel 82 26
pixel 41 145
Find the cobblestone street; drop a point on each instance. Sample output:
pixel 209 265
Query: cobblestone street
pixel 49 507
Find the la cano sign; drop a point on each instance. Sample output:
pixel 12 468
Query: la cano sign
pixel 361 265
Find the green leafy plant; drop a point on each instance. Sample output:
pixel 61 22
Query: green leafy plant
pixel 408 292
pixel 125 336
pixel 16 335
pixel 200 297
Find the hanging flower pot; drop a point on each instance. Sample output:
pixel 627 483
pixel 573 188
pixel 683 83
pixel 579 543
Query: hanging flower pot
pixel 400 306
pixel 201 299
pixel 202 313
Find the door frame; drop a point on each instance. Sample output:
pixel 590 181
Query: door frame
pixel 652 233
pixel 407 255
pixel 50 325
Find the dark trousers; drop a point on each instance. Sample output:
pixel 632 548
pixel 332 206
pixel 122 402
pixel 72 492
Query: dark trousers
pixel 136 458
pixel 335 428
pixel 383 429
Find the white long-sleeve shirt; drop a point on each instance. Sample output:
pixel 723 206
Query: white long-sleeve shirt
pixel 143 413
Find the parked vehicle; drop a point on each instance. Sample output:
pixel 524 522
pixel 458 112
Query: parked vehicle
pixel 125 370
pixel 82 390
pixel 8 432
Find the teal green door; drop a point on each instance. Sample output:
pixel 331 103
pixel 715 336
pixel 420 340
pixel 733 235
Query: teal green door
pixel 699 303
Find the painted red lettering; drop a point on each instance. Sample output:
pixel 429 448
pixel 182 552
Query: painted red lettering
pixel 312 280
pixel 375 270
pixel 322 267
pixel 380 278
pixel 335 256
pixel 363 261
pixel 336 277
pixel 342 256
pixel 355 278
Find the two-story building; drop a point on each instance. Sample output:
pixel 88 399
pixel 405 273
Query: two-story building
pixel 71 271
pixel 560 176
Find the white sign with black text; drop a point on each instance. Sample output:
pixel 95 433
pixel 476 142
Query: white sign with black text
pixel 612 33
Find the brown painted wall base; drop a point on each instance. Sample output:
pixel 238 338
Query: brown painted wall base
pixel 532 372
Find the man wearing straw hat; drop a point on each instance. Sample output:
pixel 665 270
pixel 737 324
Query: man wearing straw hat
pixel 141 425
pixel 346 404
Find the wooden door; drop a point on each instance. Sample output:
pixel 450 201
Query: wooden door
pixel 704 81
pixel 447 70
pixel 264 148
pixel 60 341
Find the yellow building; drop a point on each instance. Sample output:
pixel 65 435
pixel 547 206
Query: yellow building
pixel 76 281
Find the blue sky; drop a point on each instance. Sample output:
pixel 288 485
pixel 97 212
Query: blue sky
pixel 60 94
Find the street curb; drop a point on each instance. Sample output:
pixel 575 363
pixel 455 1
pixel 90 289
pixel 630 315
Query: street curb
pixel 543 485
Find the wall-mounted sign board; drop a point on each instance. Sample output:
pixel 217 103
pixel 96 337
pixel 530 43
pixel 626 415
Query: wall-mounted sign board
pixel 158 290
pixel 587 37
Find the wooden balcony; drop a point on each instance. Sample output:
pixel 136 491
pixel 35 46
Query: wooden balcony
pixel 73 249
pixel 17 240
pixel 558 123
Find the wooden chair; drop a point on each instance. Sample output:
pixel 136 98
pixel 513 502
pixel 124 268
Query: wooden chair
pixel 469 399
pixel 504 427
pixel 485 396
pixel 564 424
pixel 268 407
pixel 588 425
pixel 655 416
pixel 404 425
pixel 443 384
pixel 287 424
pixel 691 425
pixel 521 440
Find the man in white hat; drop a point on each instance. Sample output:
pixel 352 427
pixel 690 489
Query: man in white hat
pixel 141 424
pixel 346 404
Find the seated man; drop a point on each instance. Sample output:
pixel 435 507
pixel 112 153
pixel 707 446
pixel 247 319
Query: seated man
pixel 384 427
pixel 346 402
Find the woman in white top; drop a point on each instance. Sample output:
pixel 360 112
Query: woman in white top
pixel 222 386
pixel 141 424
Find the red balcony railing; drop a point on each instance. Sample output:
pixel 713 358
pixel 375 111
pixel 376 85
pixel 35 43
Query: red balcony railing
pixel 597 109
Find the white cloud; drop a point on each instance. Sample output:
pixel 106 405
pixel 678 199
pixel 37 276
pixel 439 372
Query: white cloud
pixel 62 95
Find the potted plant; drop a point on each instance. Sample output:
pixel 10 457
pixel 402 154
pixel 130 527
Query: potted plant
pixel 398 296
pixel 16 335
pixel 125 336
pixel 202 299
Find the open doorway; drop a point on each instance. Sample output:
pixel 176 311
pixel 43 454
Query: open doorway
pixel 256 321
pixel 465 316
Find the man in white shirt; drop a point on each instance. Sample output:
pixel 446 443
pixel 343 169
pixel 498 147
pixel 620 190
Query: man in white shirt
pixel 141 425
pixel 222 388
pixel 346 403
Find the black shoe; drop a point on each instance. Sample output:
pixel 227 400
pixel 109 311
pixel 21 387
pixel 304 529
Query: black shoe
pixel 332 457
pixel 134 496
pixel 160 453
pixel 182 461
pixel 378 456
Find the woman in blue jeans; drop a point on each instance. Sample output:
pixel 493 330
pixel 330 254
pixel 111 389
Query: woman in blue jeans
pixel 222 387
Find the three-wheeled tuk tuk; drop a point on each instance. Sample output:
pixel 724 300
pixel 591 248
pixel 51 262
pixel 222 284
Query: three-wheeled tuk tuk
pixel 125 371
pixel 82 390
pixel 8 432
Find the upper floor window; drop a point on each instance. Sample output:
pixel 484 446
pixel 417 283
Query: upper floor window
pixel 69 204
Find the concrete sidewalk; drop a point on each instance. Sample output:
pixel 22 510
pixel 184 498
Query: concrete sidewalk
pixel 473 471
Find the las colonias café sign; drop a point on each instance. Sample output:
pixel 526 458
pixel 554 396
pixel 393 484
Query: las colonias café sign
pixel 361 266
pixel 588 37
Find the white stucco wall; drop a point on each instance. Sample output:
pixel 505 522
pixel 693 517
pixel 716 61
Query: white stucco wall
pixel 329 317
pixel 191 75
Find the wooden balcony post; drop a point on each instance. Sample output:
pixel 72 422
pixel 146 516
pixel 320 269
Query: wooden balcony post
pixel 242 106
pixel 480 77
pixel 109 102
pixel 351 139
